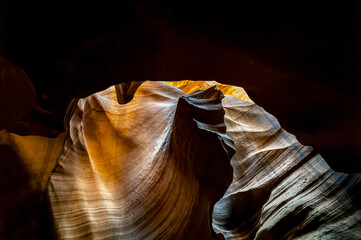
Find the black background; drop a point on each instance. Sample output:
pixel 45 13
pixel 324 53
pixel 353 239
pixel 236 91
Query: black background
pixel 297 59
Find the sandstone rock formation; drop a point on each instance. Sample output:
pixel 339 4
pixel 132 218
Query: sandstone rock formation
pixel 175 160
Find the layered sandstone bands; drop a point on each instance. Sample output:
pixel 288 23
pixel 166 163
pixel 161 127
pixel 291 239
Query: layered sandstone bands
pixel 149 169
pixel 182 160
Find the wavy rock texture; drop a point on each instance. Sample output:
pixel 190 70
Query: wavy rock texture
pixel 149 169
pixel 180 160
pixel 282 189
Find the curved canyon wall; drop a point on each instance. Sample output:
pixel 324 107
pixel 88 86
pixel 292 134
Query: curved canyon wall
pixel 173 160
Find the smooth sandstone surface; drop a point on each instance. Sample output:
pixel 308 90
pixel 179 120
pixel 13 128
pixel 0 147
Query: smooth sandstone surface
pixel 179 160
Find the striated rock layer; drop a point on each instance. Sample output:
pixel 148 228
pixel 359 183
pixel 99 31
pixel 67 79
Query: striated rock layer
pixel 151 168
pixel 282 189
pixel 176 160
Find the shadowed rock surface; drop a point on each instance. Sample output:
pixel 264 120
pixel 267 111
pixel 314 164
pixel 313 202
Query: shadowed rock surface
pixel 298 60
pixel 159 166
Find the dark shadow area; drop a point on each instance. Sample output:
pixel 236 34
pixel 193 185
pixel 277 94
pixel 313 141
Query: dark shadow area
pixel 298 60
pixel 199 152
pixel 24 211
